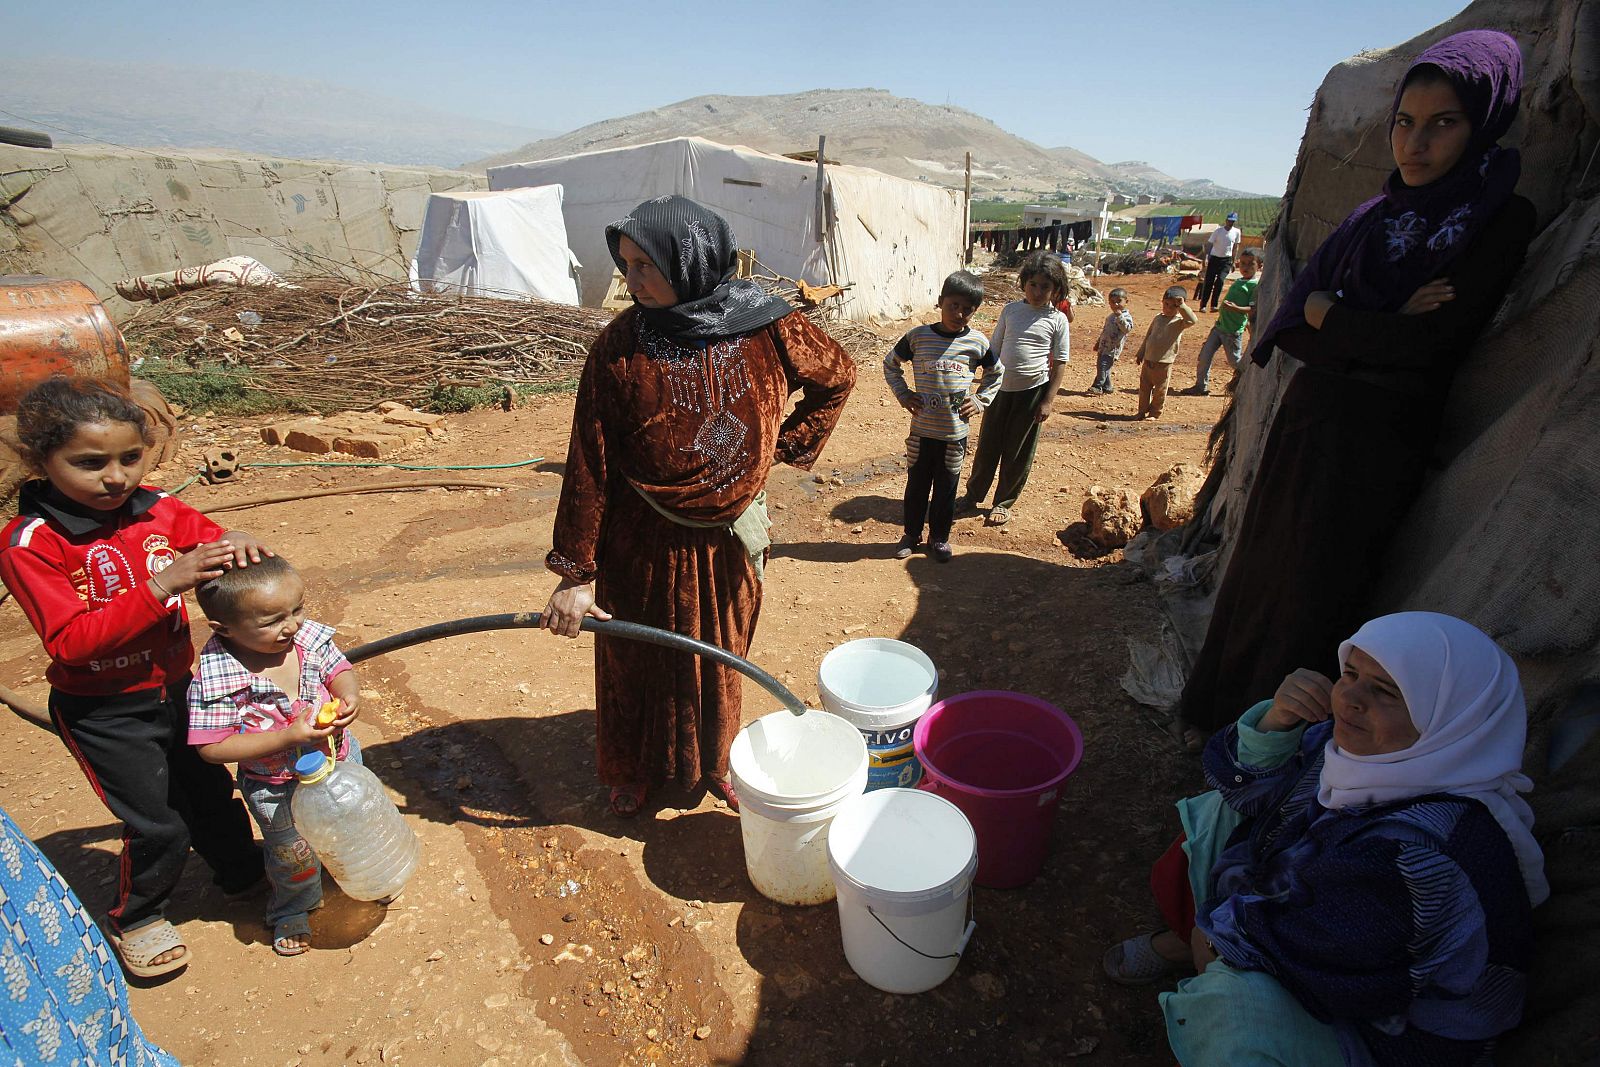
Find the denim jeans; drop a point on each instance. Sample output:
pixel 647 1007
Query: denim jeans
pixel 1232 345
pixel 292 867
pixel 1102 371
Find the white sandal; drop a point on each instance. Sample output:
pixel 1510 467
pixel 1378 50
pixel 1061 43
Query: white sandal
pixel 1136 962
pixel 138 947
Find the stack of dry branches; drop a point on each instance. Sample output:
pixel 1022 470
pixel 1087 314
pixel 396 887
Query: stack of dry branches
pixel 330 343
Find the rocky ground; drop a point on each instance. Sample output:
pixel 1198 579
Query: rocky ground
pixel 542 930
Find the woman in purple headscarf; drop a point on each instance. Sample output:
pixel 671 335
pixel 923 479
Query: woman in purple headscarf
pixel 1380 317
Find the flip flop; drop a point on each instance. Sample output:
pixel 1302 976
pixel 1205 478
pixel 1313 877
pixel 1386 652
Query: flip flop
pixel 627 800
pixel 724 790
pixel 295 926
pixel 1136 962
pixel 138 947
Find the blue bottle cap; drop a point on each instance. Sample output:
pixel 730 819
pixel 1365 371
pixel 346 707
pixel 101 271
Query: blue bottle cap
pixel 310 764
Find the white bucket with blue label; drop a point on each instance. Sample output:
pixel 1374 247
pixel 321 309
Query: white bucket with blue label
pixel 882 687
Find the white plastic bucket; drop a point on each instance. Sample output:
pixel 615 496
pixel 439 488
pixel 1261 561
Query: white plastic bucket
pixel 791 773
pixel 903 861
pixel 882 686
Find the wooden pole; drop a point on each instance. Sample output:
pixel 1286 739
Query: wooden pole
pixel 822 179
pixel 966 240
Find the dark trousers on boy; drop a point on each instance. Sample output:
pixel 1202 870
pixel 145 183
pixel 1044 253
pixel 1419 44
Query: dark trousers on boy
pixel 1007 441
pixel 1217 270
pixel 931 487
pixel 134 749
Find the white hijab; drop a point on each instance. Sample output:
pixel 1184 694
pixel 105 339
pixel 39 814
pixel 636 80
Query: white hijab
pixel 1466 703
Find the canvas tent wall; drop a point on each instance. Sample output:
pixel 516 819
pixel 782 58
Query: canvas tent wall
pixel 501 244
pixel 99 215
pixel 1506 533
pixel 892 240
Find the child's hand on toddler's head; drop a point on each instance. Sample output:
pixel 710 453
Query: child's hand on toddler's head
pixel 911 402
pixel 246 549
pixel 200 564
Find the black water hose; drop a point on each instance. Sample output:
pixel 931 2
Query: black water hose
pixel 521 620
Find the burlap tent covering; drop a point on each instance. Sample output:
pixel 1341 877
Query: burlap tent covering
pixel 1507 531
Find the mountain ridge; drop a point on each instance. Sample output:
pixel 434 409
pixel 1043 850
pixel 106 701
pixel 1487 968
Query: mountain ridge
pixel 168 106
pixel 873 128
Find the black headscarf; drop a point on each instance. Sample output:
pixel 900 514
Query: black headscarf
pixel 694 248
pixel 1407 236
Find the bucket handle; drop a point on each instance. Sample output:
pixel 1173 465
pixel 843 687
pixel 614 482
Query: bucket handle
pixel 961 945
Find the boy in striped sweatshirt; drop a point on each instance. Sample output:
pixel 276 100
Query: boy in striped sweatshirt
pixel 945 358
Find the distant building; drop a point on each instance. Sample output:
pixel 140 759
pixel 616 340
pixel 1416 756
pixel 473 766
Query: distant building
pixel 1121 199
pixel 1145 198
pixel 1169 199
pixel 1066 213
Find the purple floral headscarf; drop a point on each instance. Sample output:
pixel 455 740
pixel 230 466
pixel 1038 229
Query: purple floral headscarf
pixel 1406 236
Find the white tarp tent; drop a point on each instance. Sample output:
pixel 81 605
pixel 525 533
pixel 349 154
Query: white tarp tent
pixel 892 240
pixel 497 244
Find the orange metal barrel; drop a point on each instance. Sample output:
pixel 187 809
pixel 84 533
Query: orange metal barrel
pixel 54 326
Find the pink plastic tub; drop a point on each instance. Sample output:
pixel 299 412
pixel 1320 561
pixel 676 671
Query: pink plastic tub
pixel 1001 758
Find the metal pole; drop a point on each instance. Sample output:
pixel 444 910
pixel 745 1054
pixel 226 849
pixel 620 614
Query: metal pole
pixel 822 179
pixel 1105 231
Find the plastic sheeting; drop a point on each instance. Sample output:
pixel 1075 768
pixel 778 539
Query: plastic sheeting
pixel 500 244
pixel 103 214
pixel 893 241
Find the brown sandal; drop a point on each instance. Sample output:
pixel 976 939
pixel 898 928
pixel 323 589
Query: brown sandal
pixel 627 800
pixel 724 789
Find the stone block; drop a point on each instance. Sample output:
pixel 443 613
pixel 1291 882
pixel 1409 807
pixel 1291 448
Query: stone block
pixel 420 419
pixel 356 433
pixel 303 439
pixel 366 445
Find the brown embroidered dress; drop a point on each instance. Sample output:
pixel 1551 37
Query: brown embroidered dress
pixel 696 427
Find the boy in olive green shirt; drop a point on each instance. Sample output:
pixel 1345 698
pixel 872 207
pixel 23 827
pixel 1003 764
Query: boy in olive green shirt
pixel 1238 307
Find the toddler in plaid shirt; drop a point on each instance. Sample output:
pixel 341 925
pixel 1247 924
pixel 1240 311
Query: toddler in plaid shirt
pixel 261 681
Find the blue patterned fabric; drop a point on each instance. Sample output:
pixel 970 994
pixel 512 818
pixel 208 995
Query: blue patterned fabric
pixel 62 995
pixel 1406 927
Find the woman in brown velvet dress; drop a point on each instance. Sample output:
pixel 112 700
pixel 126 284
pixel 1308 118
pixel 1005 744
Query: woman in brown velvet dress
pixel 662 518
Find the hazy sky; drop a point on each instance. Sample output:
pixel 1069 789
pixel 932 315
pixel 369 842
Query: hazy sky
pixel 1199 89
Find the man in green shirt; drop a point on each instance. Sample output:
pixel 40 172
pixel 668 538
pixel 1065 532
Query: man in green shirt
pixel 1237 309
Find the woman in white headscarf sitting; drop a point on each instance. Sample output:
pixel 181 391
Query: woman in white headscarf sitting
pixel 1357 887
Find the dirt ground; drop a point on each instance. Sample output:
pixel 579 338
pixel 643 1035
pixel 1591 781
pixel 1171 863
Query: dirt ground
pixel 540 929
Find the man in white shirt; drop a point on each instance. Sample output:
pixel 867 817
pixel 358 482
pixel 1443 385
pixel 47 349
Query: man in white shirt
pixel 1220 247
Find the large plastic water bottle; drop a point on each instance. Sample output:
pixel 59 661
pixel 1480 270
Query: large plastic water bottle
pixel 344 814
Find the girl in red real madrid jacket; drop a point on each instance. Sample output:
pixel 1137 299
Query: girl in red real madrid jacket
pixel 99 563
